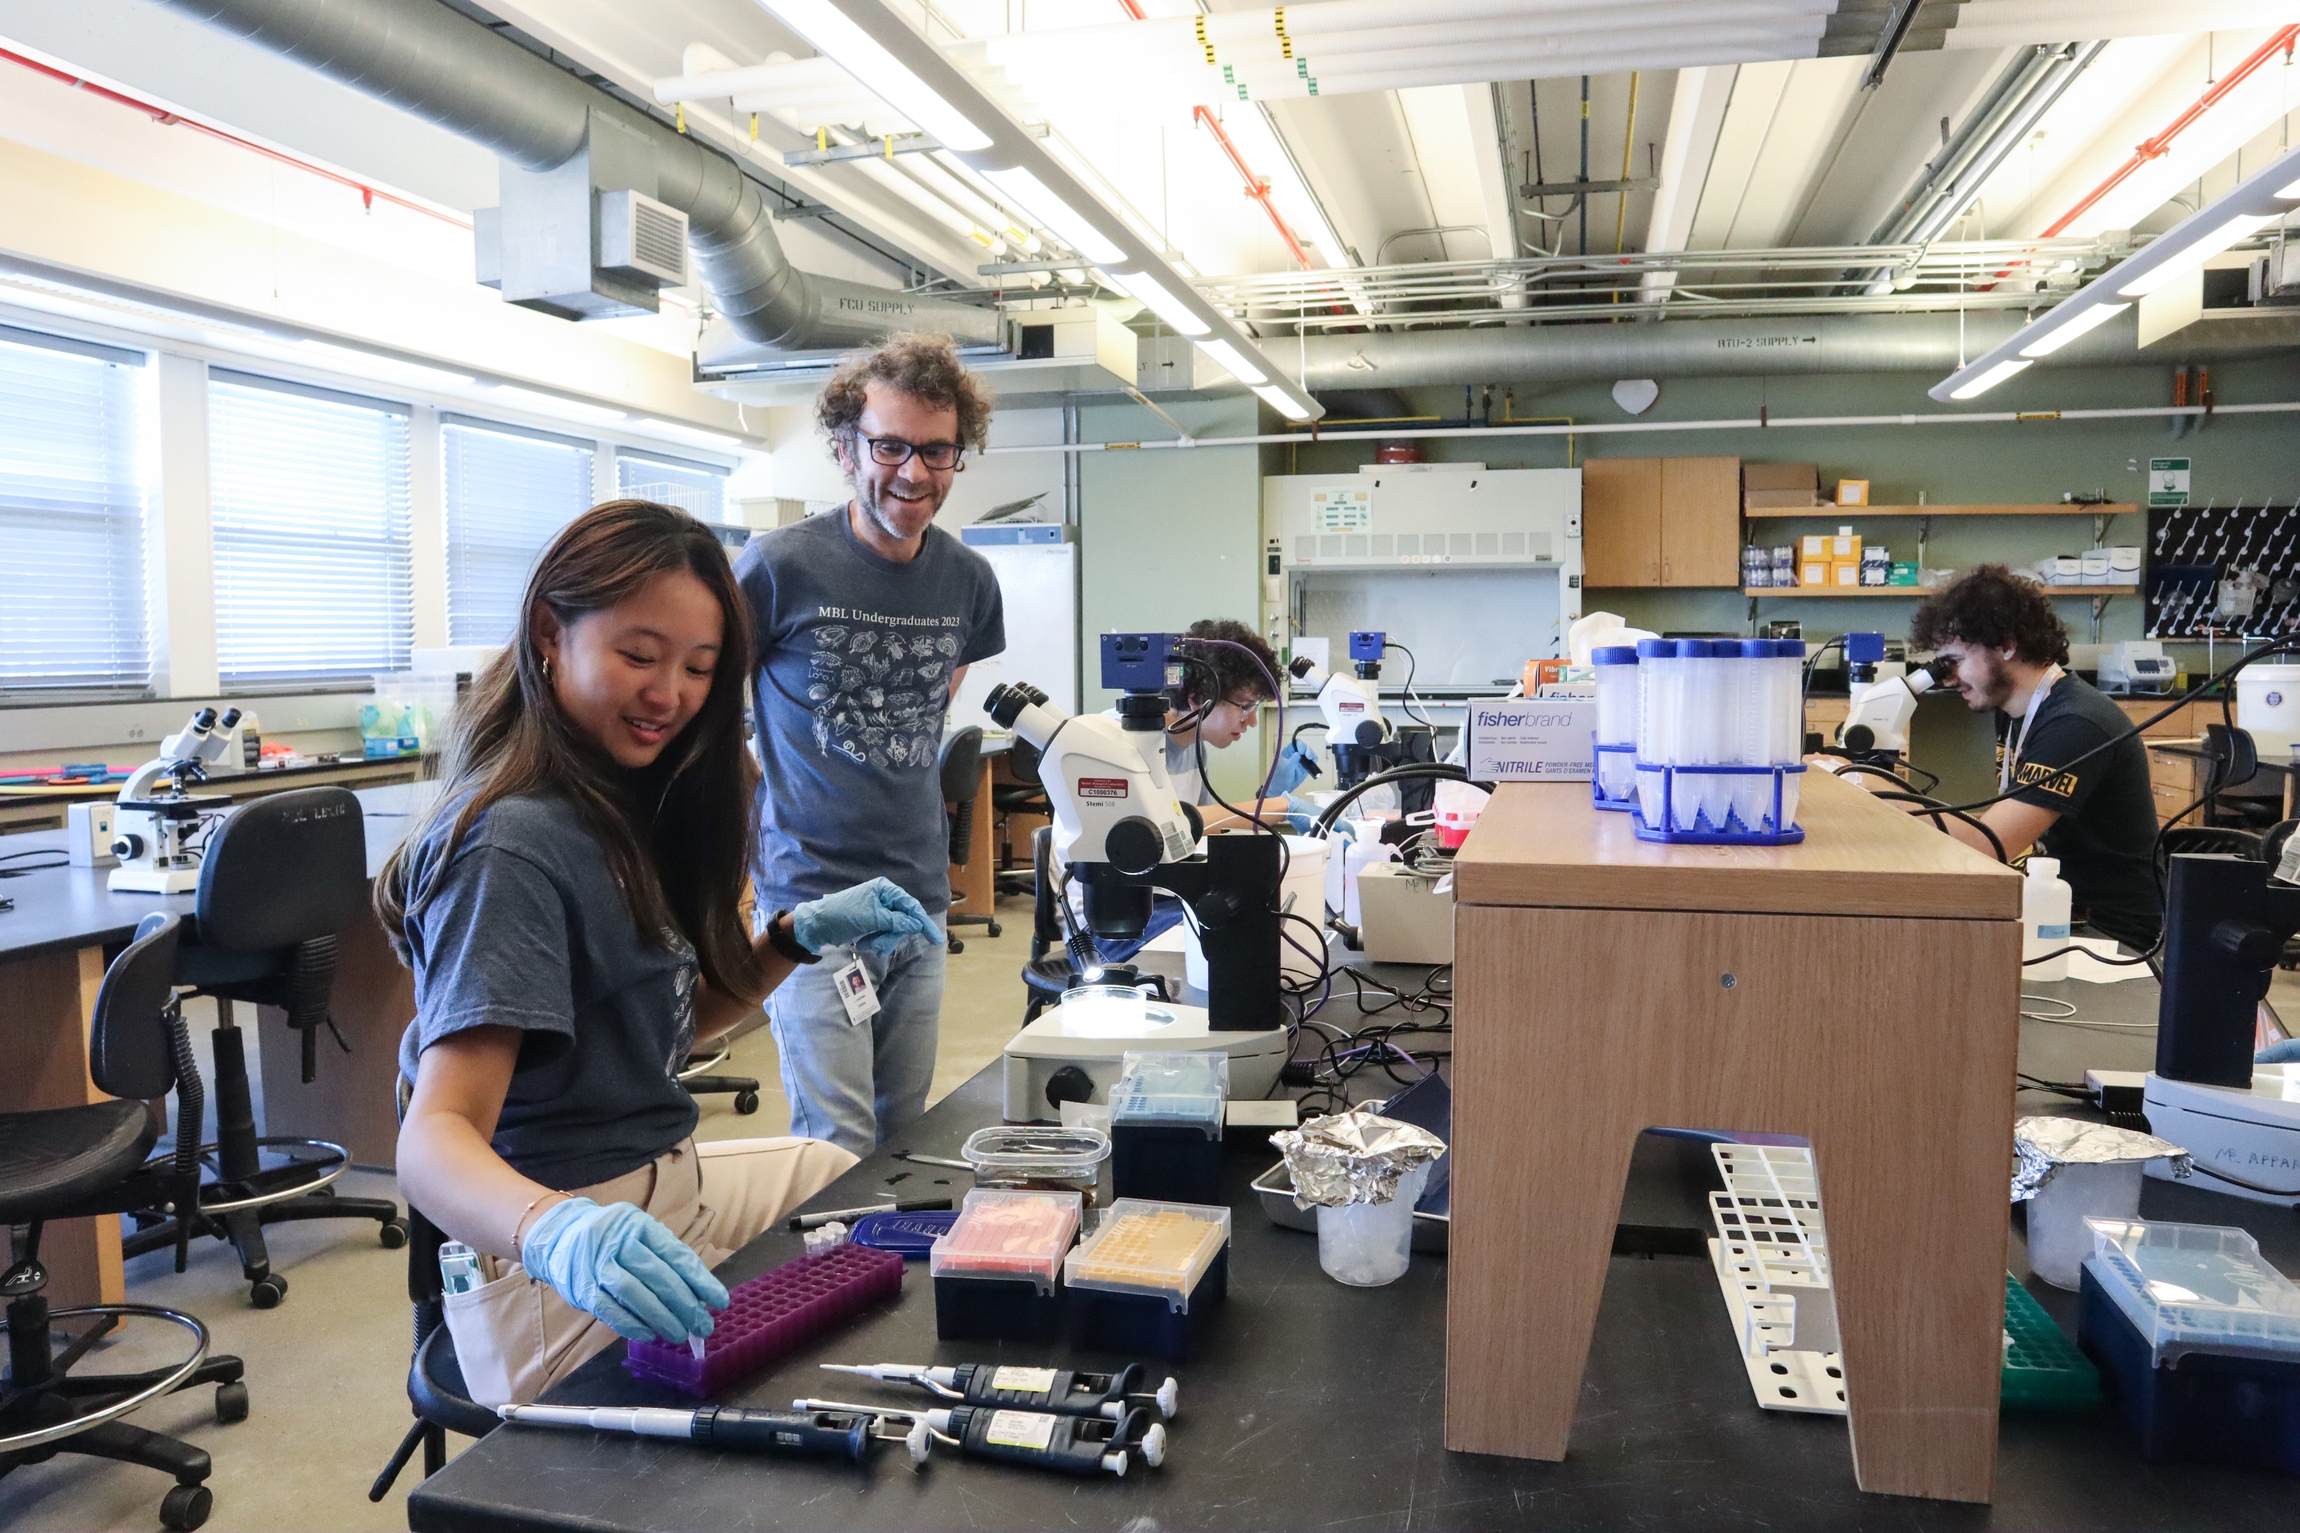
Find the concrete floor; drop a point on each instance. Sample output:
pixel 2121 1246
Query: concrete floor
pixel 327 1370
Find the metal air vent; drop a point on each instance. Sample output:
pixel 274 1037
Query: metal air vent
pixel 641 237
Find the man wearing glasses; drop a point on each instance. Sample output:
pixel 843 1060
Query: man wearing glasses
pixel 866 618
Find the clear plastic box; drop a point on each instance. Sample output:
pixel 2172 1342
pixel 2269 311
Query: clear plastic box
pixel 1002 1233
pixel 2196 1288
pixel 1158 1250
pixel 1171 1090
pixel 1038 1159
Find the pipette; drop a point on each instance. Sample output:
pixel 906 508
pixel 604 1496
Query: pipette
pixel 830 1433
pixel 1060 1390
pixel 1072 1444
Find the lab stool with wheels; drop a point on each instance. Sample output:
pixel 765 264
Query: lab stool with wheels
pixel 699 1078
pixel 961 773
pixel 280 876
pixel 89 1162
pixel 1026 796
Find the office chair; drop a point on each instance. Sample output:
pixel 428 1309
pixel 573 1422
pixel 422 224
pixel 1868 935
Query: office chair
pixel 698 1078
pixel 1026 796
pixel 961 770
pixel 1049 971
pixel 89 1162
pixel 279 878
pixel 435 1386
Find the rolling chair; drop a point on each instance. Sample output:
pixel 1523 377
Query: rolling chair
pixel 1050 970
pixel 698 1077
pixel 279 878
pixel 1025 795
pixel 435 1386
pixel 961 772
pixel 89 1162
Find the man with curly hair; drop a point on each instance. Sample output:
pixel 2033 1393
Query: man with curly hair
pixel 867 617
pixel 2088 802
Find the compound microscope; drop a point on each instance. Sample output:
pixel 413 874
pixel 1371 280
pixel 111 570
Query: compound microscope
pixel 156 817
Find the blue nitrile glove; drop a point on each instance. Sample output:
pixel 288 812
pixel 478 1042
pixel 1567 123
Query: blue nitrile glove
pixel 2285 1051
pixel 876 917
pixel 625 1268
pixel 1295 766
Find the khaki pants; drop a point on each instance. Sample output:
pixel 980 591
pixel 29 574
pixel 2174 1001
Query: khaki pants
pixel 515 1337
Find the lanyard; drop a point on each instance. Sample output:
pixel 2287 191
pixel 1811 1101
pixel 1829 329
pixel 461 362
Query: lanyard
pixel 2044 686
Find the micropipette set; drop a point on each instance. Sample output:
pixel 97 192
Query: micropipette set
pixel 1071 1444
pixel 1061 1391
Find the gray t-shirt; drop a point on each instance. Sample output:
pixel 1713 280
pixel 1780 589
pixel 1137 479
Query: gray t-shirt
pixel 527 928
pixel 1181 768
pixel 855 659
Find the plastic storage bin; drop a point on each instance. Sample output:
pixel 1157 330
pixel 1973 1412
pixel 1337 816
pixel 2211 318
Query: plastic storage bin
pixel 1166 1127
pixel 769 1315
pixel 1149 1279
pixel 998 1273
pixel 1038 1159
pixel 2198 1339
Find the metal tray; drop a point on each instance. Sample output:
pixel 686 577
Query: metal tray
pixel 1276 1190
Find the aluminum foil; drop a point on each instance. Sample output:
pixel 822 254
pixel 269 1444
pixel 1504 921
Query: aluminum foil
pixel 1353 1157
pixel 2045 1144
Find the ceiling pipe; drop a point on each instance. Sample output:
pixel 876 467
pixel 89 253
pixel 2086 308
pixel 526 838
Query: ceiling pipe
pixel 1726 348
pixel 451 71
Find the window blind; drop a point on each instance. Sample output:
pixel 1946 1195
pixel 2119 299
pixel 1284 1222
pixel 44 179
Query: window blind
pixel 308 492
pixel 508 490
pixel 73 608
pixel 699 489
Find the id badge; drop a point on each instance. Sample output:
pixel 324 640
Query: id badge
pixel 856 992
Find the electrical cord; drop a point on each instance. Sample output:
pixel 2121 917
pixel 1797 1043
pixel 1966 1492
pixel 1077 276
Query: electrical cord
pixel 1412 666
pixel 61 860
pixel 1933 809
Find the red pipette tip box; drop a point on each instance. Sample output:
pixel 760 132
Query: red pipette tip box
pixel 771 1314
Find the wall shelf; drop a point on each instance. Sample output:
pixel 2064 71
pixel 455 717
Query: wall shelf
pixel 1824 513
pixel 1830 593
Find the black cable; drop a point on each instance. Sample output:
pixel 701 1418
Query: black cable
pixel 1437 769
pixel 1408 698
pixel 62 860
pixel 1933 809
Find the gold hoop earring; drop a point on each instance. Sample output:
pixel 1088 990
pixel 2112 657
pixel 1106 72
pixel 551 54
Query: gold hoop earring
pixel 546 667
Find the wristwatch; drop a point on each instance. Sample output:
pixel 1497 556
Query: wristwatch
pixel 783 938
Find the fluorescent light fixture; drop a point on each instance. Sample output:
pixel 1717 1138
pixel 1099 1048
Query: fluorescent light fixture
pixel 1160 300
pixel 2084 323
pixel 1233 363
pixel 553 404
pixel 2195 253
pixel 880 72
pixel 1054 215
pixel 1992 377
pixel 368 364
pixel 1286 404
pixel 2291 192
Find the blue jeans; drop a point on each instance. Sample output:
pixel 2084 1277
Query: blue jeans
pixel 858 1085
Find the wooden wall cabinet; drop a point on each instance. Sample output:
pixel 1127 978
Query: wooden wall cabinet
pixel 1661 522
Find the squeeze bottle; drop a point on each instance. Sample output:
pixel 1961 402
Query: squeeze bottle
pixel 2044 910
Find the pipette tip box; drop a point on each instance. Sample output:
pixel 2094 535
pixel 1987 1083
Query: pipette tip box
pixel 998 1273
pixel 769 1315
pixel 1166 1128
pixel 1150 1279
pixel 2198 1338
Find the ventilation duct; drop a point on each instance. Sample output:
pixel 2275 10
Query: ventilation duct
pixel 1725 348
pixel 544 123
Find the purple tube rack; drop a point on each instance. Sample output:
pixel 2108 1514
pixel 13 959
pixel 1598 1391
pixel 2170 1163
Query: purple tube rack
pixel 771 1314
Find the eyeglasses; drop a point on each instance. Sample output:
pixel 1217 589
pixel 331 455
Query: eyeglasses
pixel 894 452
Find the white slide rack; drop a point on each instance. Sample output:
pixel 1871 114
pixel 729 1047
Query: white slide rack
pixel 1772 1260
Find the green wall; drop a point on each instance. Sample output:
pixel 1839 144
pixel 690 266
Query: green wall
pixel 1166 538
pixel 2255 458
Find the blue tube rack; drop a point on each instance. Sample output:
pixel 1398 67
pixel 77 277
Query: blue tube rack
pixel 1702 832
pixel 1597 779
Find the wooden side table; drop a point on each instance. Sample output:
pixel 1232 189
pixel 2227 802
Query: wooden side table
pixel 1860 990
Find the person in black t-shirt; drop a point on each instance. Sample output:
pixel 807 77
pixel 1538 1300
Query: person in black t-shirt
pixel 2087 802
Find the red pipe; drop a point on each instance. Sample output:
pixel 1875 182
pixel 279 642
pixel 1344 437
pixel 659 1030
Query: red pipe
pixel 2281 42
pixel 367 194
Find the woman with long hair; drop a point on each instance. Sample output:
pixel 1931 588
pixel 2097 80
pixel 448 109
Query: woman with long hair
pixel 570 908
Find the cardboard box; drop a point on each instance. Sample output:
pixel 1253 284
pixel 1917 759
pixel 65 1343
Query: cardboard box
pixel 1852 492
pixel 1902 575
pixel 1815 573
pixel 1846 544
pixel 1842 573
pixel 1521 739
pixel 1814 545
pixel 1875 574
pixel 1773 486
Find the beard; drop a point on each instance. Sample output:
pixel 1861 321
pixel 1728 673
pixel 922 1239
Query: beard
pixel 889 515
pixel 1998 689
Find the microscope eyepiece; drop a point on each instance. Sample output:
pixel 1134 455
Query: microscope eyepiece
pixel 1007 700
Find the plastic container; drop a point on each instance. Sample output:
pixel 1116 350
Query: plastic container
pixel 1038 1159
pixel 1459 806
pixel 1149 1278
pixel 998 1273
pixel 779 1309
pixel 1367 1245
pixel 2268 707
pixel 1657 702
pixel 2043 1370
pixel 1615 783
pixel 907 1235
pixel 2212 1408
pixel 2059 1238
pixel 2045 905
pixel 1166 1127
pixel 2197 1288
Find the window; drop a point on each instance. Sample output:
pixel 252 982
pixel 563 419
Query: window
pixel 699 489
pixel 508 490
pixel 72 603
pixel 309 499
